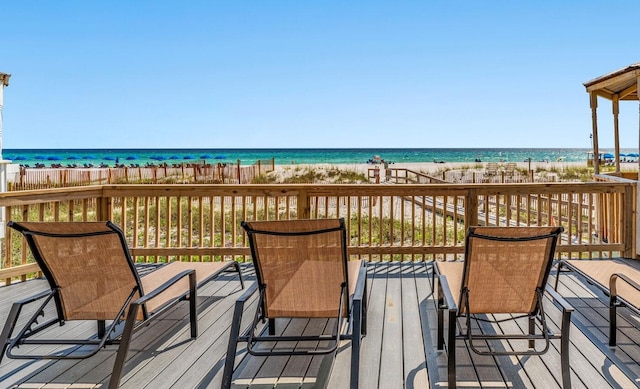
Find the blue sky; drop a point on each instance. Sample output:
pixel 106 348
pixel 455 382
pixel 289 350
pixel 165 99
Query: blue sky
pixel 229 74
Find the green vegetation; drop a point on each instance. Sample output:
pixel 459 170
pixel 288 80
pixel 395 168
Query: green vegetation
pixel 311 175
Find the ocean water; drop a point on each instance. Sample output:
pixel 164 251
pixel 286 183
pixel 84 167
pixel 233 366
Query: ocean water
pixel 289 156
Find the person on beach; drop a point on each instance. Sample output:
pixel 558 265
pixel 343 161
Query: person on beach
pixel 387 171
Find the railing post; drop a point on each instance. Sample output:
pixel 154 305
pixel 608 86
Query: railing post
pixel 103 208
pixel 304 207
pixel 471 208
pixel 628 221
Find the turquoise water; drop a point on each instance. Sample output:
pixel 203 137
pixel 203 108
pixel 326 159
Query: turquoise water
pixel 288 156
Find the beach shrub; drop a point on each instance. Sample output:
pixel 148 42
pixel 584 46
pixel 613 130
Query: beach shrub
pixel 264 179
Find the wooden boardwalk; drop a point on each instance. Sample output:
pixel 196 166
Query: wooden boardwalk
pixel 398 351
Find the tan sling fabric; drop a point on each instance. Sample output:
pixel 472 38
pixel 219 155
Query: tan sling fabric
pixel 302 273
pixel 93 273
pixel 204 271
pixel 601 271
pixel 501 275
pixel 453 270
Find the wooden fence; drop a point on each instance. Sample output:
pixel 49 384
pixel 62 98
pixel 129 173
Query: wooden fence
pixel 385 222
pixel 220 173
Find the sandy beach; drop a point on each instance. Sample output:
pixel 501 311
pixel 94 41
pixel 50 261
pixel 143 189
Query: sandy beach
pixel 436 167
pixel 284 171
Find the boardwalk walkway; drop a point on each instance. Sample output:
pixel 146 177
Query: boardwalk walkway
pixel 398 351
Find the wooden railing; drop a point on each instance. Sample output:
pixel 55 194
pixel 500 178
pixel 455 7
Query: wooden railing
pixel 468 176
pixel 385 222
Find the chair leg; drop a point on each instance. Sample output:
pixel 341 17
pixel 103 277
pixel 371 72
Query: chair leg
pixel 364 309
pixel 564 350
pixel 613 320
pixel 558 275
pixel 123 349
pixel 232 347
pixel 440 329
pixel 193 309
pixel 532 331
pixel 451 351
pixel 356 339
pixel 9 325
pixel 237 268
pixel 272 326
pixel 102 326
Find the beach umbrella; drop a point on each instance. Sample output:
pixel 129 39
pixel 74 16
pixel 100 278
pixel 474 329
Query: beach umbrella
pixel 40 157
pixel 221 157
pixel 206 156
pixel 623 154
pixel 131 158
pixel 188 157
pixel 107 158
pixel 72 157
pixel 54 158
pixel 158 157
pixel 607 155
pixel 634 155
pixel 174 157
pixel 20 158
pixel 88 157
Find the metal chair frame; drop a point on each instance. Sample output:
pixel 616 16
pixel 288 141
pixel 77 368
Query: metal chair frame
pixel 615 300
pixel 447 302
pixel 116 332
pixel 356 316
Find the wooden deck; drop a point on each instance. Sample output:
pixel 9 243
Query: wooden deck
pixel 398 351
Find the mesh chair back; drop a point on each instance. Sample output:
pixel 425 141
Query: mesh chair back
pixel 504 266
pixel 87 261
pixel 301 264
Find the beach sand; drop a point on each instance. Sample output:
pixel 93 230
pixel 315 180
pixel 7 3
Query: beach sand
pixel 284 171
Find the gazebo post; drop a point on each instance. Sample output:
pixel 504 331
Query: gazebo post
pixel 4 81
pixel 615 104
pixel 593 98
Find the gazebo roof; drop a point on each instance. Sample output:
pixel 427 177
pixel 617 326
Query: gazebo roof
pixel 623 82
pixel 4 79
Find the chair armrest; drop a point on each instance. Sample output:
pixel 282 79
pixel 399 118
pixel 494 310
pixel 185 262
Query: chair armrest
pixel 557 297
pixel 449 301
pixel 245 296
pixel 360 285
pixel 35 297
pixel 613 281
pixel 171 281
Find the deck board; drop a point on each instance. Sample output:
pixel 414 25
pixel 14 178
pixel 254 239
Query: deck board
pixel 391 375
pixel 415 367
pixel 398 351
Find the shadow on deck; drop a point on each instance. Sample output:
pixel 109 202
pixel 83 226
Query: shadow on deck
pixel 398 352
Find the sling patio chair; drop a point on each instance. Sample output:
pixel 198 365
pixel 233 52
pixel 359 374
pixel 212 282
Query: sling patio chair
pixel 504 273
pixel 302 271
pixel 615 278
pixel 93 277
pixel 490 171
